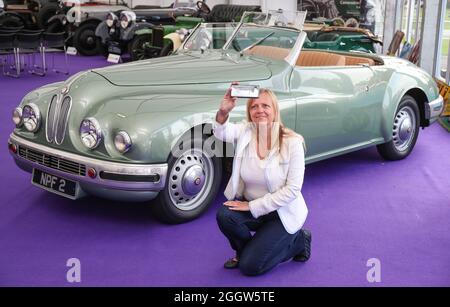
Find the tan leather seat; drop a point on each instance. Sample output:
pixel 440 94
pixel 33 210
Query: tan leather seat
pixel 318 58
pixel 269 52
pixel 356 60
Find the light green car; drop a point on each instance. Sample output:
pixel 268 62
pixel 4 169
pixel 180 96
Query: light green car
pixel 142 131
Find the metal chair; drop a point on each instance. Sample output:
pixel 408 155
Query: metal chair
pixel 7 47
pixel 56 40
pixel 28 42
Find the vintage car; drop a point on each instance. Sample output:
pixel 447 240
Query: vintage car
pixel 143 39
pixel 80 21
pixel 143 130
pixel 117 31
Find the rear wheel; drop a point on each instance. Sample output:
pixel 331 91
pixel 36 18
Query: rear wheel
pixel 45 13
pixel 193 181
pixel 404 131
pixel 85 40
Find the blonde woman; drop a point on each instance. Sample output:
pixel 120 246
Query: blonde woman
pixel 264 191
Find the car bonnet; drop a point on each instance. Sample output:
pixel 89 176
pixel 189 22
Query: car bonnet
pixel 185 69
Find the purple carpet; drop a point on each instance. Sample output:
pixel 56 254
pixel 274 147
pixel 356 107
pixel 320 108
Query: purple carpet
pixel 360 208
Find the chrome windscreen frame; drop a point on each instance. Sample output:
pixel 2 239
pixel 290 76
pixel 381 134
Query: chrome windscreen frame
pixel 291 58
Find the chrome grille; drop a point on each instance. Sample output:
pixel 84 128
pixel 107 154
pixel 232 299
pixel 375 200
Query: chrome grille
pixel 57 117
pixel 51 118
pixel 62 120
pixel 53 162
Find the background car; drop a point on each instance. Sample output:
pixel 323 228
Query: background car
pixel 30 14
pixel 143 131
pixel 342 38
pixel 80 22
pixel 148 40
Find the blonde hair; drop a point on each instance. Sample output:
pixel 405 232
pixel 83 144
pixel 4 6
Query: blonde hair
pixel 280 130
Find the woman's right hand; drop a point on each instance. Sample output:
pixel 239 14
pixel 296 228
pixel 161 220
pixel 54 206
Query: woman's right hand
pixel 227 104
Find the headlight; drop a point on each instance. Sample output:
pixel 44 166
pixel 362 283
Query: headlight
pixel 90 133
pixel 182 33
pixel 124 23
pixel 31 117
pixel 17 117
pixel 122 141
pixel 126 17
pixel 110 19
pixel 109 22
pixel 64 21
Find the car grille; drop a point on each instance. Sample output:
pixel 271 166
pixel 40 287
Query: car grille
pixel 57 116
pixel 53 162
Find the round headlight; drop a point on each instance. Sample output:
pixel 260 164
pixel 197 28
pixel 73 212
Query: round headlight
pixel 126 17
pixel 122 141
pixel 90 133
pixel 124 23
pixel 110 19
pixel 31 117
pixel 17 117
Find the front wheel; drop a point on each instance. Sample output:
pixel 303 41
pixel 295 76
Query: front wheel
pixel 139 47
pixel 404 131
pixel 85 40
pixel 193 181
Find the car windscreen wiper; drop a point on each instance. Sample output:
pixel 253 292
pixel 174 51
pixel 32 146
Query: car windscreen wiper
pixel 255 43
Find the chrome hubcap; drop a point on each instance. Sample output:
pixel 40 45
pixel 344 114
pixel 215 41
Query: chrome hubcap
pixel 404 128
pixel 190 179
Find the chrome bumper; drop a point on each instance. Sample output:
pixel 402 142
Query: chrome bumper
pixel 434 108
pixel 110 175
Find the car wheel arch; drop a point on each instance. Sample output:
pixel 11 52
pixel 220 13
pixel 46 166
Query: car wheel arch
pixel 421 99
pixel 204 127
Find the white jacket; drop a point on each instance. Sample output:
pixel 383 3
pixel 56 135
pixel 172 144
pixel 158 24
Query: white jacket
pixel 284 176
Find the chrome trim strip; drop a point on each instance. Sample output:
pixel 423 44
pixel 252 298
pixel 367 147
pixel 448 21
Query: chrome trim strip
pixel 436 107
pixel 99 165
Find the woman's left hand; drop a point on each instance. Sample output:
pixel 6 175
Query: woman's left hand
pixel 237 205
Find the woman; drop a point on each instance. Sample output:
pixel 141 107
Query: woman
pixel 264 191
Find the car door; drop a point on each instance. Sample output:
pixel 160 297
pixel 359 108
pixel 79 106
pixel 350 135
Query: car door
pixel 338 108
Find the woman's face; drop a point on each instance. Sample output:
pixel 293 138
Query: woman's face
pixel 262 110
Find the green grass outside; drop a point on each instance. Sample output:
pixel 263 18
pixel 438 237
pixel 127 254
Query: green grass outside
pixel 445 42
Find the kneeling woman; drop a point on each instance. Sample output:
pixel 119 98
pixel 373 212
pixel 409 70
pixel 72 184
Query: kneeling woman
pixel 264 191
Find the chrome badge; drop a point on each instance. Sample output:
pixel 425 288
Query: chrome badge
pixel 65 90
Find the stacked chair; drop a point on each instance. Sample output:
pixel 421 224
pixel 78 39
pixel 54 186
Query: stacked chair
pixel 19 47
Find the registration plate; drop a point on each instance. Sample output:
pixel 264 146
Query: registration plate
pixel 55 184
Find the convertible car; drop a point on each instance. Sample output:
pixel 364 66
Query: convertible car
pixel 143 130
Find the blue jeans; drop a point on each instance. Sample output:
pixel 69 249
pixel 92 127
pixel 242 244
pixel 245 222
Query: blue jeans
pixel 270 245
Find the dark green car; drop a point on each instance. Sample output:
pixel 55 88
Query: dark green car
pixel 341 39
